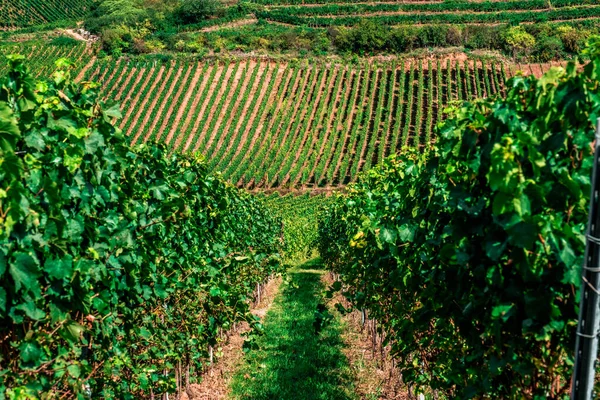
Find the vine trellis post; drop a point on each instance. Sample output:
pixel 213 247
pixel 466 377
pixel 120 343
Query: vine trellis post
pixel 588 327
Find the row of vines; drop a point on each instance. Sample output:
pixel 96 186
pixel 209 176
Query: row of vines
pixel 274 125
pixel 468 255
pixel 21 13
pixel 120 267
pixel 341 8
pixel 298 214
pixel 41 59
pixel 342 15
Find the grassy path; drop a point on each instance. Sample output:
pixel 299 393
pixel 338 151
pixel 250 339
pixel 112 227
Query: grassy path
pixel 292 361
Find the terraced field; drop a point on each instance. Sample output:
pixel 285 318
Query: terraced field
pixel 21 13
pixel 42 58
pixel 273 125
pixel 323 13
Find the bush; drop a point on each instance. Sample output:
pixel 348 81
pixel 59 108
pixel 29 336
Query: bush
pixel 518 41
pixel 549 48
pixel 571 38
pixel 403 38
pixel 192 11
pixel 64 41
pixel 482 37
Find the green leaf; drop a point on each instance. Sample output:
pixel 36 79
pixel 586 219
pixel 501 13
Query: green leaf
pixel 9 130
pixel 72 331
pixel 503 312
pixel 59 268
pixel 387 235
pixel 74 370
pixel 406 233
pixel 3 263
pixel 31 311
pixel 25 271
pixel 113 112
pixel 93 142
pixel 2 300
pixel 30 353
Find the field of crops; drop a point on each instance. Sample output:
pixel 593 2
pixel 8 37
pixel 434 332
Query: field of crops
pixel 272 125
pixel 321 13
pixel 21 13
pixel 41 58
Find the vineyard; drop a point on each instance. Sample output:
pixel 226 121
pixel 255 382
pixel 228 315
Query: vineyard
pixel 274 125
pixel 22 13
pixel 335 13
pixel 42 58
pixel 417 217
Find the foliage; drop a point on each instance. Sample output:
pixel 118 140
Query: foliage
pixel 64 41
pixel 469 254
pixel 298 214
pixel 24 13
pixel 397 18
pixel 42 57
pixel 191 11
pixel 519 40
pixel 118 265
pixel 302 136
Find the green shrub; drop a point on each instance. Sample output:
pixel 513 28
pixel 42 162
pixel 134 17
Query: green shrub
pixel 64 41
pixel 192 11
pixel 549 48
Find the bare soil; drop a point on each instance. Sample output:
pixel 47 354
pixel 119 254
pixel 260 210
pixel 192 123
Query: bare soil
pixel 310 133
pixel 194 106
pixel 369 109
pixel 268 134
pixel 213 107
pixel 338 103
pixel 220 116
pixel 173 102
pixel 262 69
pixel 372 366
pixel 133 106
pixel 85 69
pixel 259 128
pixel 299 114
pixel 236 24
pixel 296 92
pixel 236 103
pixel 130 74
pixel 273 134
pixel 346 136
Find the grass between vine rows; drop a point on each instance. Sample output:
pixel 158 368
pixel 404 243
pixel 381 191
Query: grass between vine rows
pixel 292 360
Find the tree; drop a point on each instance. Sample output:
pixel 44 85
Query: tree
pixel 191 11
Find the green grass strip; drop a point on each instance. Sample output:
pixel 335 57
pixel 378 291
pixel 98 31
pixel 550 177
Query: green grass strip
pixel 292 361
